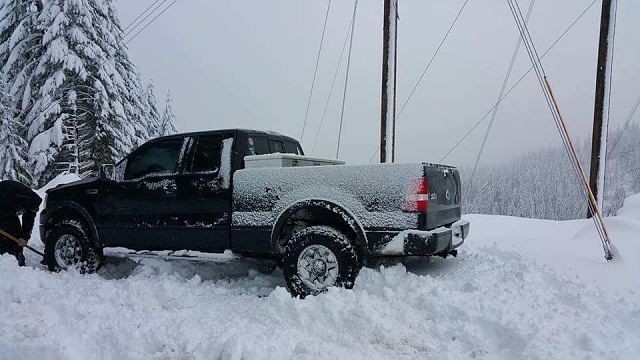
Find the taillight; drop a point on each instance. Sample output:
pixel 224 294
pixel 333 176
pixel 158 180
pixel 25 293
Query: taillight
pixel 416 196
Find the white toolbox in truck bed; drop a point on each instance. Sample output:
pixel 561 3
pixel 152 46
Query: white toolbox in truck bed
pixel 286 160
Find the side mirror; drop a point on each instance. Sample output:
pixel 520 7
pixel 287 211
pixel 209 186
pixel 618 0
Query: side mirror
pixel 107 172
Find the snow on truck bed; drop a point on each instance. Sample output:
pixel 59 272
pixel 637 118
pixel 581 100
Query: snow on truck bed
pixel 520 289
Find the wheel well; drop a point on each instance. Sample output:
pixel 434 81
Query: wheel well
pixel 311 213
pixel 68 214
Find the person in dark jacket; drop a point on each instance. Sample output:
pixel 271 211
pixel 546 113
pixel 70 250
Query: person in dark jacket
pixel 17 199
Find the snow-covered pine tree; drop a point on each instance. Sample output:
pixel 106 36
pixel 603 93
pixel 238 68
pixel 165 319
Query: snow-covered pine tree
pixel 542 184
pixel 20 49
pixel 167 126
pixel 133 93
pixel 8 22
pixel 155 122
pixel 78 120
pixel 17 18
pixel 13 154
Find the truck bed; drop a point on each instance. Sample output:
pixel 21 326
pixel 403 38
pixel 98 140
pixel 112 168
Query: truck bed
pixel 373 194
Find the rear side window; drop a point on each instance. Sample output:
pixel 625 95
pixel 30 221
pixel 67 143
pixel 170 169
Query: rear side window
pixel 207 155
pixel 284 147
pixel 257 145
pixel 157 159
pixel 292 148
pixel 276 146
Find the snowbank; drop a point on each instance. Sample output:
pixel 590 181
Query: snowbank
pixel 520 289
pixel 631 208
pixel 42 192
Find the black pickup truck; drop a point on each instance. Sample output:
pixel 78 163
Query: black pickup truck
pixel 194 194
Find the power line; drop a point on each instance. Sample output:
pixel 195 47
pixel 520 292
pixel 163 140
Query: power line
pixel 315 71
pixel 502 90
pixel 346 79
pixel 333 82
pixel 455 20
pixel 139 16
pixel 631 114
pixel 151 22
pixel 517 82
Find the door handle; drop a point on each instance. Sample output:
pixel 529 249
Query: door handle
pixel 170 189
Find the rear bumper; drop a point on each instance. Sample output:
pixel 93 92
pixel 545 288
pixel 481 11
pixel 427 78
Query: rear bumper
pixel 424 243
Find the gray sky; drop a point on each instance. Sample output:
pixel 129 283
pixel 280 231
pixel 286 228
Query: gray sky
pixel 249 64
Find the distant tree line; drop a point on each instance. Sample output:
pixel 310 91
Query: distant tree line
pixel 542 184
pixel 70 98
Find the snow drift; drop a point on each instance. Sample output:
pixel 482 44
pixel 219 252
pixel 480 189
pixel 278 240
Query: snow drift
pixel 521 288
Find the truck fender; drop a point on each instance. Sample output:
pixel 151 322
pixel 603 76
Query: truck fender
pixel 348 217
pixel 77 209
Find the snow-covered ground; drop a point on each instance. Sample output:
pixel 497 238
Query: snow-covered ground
pixel 520 289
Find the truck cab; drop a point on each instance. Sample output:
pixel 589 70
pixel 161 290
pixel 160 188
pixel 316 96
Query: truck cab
pixel 171 193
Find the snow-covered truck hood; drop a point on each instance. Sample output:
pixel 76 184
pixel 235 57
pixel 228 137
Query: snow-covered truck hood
pixel 74 184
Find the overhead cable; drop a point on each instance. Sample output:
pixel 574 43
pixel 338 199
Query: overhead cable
pixel 151 22
pixel 621 131
pixel 346 79
pixel 517 82
pixel 502 90
pixel 141 15
pixel 333 82
pixel 315 71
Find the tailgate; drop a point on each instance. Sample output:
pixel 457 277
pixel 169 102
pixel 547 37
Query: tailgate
pixel 444 196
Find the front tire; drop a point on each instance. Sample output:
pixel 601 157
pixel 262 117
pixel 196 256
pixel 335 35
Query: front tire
pixel 69 246
pixel 317 258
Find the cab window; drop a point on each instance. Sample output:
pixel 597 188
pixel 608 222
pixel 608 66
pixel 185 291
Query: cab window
pixel 160 158
pixel 257 145
pixel 276 146
pixel 284 147
pixel 292 148
pixel 206 158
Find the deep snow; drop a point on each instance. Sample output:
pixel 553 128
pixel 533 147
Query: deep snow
pixel 520 289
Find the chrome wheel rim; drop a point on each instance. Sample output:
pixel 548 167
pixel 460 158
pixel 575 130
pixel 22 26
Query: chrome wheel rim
pixel 68 251
pixel 318 267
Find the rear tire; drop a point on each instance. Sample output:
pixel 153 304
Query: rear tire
pixel 69 246
pixel 317 258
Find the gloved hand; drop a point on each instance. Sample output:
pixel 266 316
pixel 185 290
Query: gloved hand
pixel 20 258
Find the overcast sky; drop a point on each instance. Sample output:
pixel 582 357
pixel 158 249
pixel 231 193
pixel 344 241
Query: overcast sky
pixel 249 64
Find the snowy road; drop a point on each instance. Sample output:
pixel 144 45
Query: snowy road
pixel 520 289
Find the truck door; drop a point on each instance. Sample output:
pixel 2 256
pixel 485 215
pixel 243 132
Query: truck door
pixel 205 194
pixel 141 210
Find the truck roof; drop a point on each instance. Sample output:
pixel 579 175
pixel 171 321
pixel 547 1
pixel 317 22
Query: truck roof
pixel 207 132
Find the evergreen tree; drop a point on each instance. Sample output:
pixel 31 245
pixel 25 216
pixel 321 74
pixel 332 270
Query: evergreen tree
pixel 155 123
pixel 78 120
pixel 167 126
pixel 80 99
pixel 20 49
pixel 135 98
pixel 543 184
pixel 13 155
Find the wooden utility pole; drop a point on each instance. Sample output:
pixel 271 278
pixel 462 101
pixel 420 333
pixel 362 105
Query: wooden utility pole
pixel 388 111
pixel 601 108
